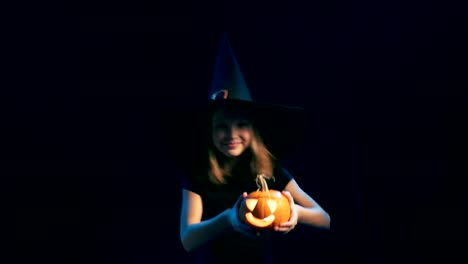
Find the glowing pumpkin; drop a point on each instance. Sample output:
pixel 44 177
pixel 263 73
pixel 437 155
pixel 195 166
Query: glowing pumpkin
pixel 264 209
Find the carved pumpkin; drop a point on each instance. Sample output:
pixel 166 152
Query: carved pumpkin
pixel 264 209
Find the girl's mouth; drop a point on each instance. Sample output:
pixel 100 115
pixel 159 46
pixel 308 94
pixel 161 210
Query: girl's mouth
pixel 232 144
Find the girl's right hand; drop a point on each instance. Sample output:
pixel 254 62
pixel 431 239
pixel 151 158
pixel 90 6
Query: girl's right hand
pixel 236 223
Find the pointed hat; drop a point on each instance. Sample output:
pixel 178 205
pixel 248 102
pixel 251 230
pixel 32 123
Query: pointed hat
pixel 227 80
pixel 280 126
pixel 188 127
pixel 228 83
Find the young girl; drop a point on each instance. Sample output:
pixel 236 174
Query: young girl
pixel 210 228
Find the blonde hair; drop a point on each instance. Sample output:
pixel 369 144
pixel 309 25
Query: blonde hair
pixel 261 161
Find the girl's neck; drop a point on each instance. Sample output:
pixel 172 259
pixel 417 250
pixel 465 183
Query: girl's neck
pixel 237 163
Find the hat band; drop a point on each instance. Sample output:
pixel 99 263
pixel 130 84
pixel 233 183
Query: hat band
pixel 215 95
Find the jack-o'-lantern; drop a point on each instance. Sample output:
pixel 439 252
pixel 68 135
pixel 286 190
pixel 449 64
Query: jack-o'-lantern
pixel 264 208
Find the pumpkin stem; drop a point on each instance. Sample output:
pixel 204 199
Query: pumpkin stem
pixel 262 184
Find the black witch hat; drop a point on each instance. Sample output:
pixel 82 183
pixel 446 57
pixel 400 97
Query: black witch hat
pixel 281 127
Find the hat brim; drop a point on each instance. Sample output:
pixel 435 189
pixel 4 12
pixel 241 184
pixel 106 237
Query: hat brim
pixel 282 128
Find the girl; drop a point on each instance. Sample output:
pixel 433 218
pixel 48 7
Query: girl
pixel 210 228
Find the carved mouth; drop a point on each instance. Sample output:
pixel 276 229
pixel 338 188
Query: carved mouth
pixel 259 222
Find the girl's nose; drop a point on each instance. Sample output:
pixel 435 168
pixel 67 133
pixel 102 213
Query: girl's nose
pixel 232 131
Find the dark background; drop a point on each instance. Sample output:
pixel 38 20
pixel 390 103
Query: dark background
pixel 380 81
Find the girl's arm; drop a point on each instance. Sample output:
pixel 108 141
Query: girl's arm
pixel 193 231
pixel 308 211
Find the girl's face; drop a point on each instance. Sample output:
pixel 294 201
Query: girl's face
pixel 232 135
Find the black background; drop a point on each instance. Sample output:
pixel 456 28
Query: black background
pixel 380 81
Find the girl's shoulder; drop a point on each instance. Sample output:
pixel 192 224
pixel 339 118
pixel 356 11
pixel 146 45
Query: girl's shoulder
pixel 195 179
pixel 281 176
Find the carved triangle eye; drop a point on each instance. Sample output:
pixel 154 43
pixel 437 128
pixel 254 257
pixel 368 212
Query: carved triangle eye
pixel 272 205
pixel 251 203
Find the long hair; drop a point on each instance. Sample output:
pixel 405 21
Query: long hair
pixel 260 159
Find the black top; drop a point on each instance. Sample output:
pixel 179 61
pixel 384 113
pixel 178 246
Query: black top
pixel 232 246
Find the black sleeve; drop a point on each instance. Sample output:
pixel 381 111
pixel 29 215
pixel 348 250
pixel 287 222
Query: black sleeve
pixel 282 178
pixel 191 185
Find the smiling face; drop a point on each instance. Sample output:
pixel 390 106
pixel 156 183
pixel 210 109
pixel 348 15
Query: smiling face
pixel 232 133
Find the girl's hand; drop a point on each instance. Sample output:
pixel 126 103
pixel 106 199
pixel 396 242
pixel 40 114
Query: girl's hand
pixel 236 223
pixel 286 227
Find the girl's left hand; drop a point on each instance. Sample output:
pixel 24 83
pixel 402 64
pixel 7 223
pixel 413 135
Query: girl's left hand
pixel 286 227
